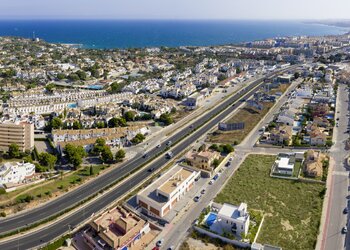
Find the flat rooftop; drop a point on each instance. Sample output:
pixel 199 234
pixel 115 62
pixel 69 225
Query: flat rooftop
pixel 176 180
pixel 165 184
pixel 283 162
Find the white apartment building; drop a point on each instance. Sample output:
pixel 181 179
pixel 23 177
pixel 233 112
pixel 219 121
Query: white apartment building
pixel 161 196
pixel 16 172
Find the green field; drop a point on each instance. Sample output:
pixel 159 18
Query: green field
pixel 292 209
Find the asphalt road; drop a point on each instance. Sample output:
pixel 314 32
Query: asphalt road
pixel 335 219
pixel 60 227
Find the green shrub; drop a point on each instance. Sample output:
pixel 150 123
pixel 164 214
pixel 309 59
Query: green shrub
pixel 2 214
pixel 24 198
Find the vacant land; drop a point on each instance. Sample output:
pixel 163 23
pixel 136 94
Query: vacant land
pixel 250 116
pixel 292 209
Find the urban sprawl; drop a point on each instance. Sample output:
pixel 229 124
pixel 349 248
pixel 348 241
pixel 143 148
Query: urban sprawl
pixel 232 146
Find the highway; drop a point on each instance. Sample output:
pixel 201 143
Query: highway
pixel 60 227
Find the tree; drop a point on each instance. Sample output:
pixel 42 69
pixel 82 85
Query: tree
pixel 129 116
pixel 91 171
pixel 73 77
pixel 138 138
pixel 49 87
pixel 47 160
pixel 56 123
pixel 106 154
pixel 120 155
pixel 166 119
pixel 77 125
pixel 202 148
pixel 61 76
pixel 216 163
pixel 215 147
pixel 227 148
pixel 117 122
pixel 74 154
pixel 98 146
pixel 82 75
pixel 14 151
pixel 117 87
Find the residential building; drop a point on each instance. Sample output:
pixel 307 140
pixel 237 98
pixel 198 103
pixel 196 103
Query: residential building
pixel 161 196
pixel 284 164
pixel 317 137
pixel 16 172
pixel 20 133
pixel 281 135
pixel 234 219
pixel 119 228
pixel 202 160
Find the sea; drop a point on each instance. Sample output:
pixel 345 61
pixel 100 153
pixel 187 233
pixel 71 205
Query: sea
pixel 107 34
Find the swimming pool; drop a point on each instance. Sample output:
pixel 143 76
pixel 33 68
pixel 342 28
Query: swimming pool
pixel 72 105
pixel 211 219
pixel 95 87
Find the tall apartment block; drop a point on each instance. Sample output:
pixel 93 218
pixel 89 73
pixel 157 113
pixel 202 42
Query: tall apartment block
pixel 21 133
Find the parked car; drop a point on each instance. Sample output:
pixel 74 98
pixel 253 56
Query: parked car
pixel 168 143
pixel 196 198
pixel 215 177
pixel 203 191
pixel 159 145
pixel 346 210
pixel 150 170
pixel 211 182
pixel 228 164
pixel 145 156
pixel 159 243
pixel 344 230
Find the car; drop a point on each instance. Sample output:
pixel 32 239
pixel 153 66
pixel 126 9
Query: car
pixel 344 230
pixel 171 248
pixel 159 243
pixel 338 119
pixel 211 182
pixel 196 198
pixel 145 156
pixel 168 143
pixel 150 170
pixel 169 155
pixel 215 177
pixel 231 159
pixel 191 126
pixel 197 179
pixel 346 210
pixel 203 191
pixel 159 145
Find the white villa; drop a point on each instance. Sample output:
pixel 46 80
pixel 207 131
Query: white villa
pixel 16 172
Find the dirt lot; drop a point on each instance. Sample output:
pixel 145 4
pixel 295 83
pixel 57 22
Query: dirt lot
pixel 250 116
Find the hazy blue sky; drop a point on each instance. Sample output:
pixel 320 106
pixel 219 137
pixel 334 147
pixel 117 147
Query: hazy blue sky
pixel 175 9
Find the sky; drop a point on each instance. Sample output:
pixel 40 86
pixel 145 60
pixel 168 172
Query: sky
pixel 175 9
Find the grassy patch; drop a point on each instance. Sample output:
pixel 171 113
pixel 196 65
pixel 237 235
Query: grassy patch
pixel 249 116
pixel 48 189
pixel 292 209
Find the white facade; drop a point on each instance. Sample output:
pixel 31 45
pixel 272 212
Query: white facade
pixel 160 197
pixel 234 219
pixel 15 172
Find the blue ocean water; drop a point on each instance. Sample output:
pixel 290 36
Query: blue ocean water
pixel 141 33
